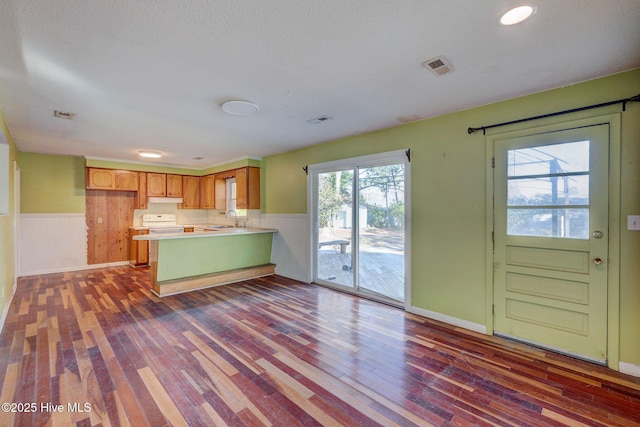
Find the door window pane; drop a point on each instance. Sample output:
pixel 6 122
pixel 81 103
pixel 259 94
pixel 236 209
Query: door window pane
pixel 381 233
pixel 543 179
pixel 545 159
pixel 568 223
pixel 335 263
pixel 555 190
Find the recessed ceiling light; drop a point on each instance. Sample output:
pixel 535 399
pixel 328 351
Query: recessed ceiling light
pixel 518 14
pixel 150 154
pixel 240 108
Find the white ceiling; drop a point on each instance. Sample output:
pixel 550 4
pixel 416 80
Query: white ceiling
pixel 151 74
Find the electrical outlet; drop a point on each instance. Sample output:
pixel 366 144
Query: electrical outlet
pixel 633 222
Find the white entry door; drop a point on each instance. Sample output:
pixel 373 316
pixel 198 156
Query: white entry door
pixel 551 240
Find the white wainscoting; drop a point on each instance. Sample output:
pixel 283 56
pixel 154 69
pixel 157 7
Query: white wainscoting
pixel 291 245
pixel 51 243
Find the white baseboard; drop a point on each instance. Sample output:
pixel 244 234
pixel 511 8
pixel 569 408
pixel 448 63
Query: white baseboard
pixel 292 276
pixel 76 268
pixel 472 326
pixel 629 368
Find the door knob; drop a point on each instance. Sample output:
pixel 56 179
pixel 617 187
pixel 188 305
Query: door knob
pixel 597 261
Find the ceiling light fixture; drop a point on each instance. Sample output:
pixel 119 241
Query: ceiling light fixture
pixel 518 14
pixel 149 154
pixel 239 108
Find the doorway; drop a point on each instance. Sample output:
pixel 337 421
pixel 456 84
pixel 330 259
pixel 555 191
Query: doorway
pixel 551 242
pixel 360 225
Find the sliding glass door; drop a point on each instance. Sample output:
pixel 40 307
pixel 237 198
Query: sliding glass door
pixel 359 224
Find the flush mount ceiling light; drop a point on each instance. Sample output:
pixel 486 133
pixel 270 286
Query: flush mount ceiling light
pixel 240 108
pixel 149 154
pixel 518 14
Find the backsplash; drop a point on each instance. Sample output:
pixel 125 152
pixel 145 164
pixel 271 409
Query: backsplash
pixel 195 216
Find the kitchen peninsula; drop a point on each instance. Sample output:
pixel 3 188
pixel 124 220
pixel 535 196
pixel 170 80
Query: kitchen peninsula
pixel 182 262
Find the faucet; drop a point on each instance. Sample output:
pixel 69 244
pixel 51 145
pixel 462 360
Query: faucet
pixel 235 215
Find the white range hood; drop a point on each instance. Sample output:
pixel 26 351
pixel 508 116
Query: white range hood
pixel 165 200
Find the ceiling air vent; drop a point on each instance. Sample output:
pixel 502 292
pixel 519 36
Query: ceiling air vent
pixel 438 65
pixel 319 119
pixel 63 114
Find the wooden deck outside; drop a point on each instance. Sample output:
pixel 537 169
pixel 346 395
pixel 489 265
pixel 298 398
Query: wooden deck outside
pixel 381 255
pixel 273 351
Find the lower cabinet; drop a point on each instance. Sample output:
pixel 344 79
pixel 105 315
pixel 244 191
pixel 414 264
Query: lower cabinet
pixel 138 249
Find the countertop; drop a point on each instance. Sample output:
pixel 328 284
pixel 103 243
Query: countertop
pixel 200 225
pixel 213 232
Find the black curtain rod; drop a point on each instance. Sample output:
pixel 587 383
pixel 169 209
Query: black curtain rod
pixel 574 110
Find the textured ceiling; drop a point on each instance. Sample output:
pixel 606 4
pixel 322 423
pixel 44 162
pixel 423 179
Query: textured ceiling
pixel 151 74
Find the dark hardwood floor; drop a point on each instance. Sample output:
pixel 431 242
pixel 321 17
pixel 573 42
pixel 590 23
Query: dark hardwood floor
pixel 273 351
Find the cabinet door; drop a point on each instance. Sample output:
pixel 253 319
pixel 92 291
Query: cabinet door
pixel 138 249
pixel 174 185
pixel 156 185
pixel 101 179
pixel 248 188
pixel 190 192
pixel 221 190
pixel 242 194
pixel 253 187
pixel 206 191
pixel 141 201
pixel 126 180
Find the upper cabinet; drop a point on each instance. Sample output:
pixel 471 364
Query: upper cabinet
pixel 174 185
pixel 156 184
pixel 247 188
pixel 164 185
pixel 110 179
pixel 190 192
pixel 206 192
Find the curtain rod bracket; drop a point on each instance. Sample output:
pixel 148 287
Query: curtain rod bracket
pixel 306 169
pixel 408 154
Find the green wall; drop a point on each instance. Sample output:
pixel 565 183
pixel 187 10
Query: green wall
pixel 51 184
pixel 7 234
pixel 449 191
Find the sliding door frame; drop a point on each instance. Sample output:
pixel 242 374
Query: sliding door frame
pixel 379 159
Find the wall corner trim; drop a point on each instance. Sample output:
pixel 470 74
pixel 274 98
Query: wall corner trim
pixel 629 368
pixel 472 326
pixel 7 304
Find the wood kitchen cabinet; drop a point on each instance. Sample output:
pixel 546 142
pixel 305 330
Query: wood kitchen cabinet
pixel 138 249
pixel 207 192
pixel 190 192
pixel 247 188
pixel 111 179
pixel 141 198
pixel 156 185
pixel 174 185
pixel 220 191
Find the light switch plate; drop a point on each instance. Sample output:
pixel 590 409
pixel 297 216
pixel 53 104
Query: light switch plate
pixel 633 222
